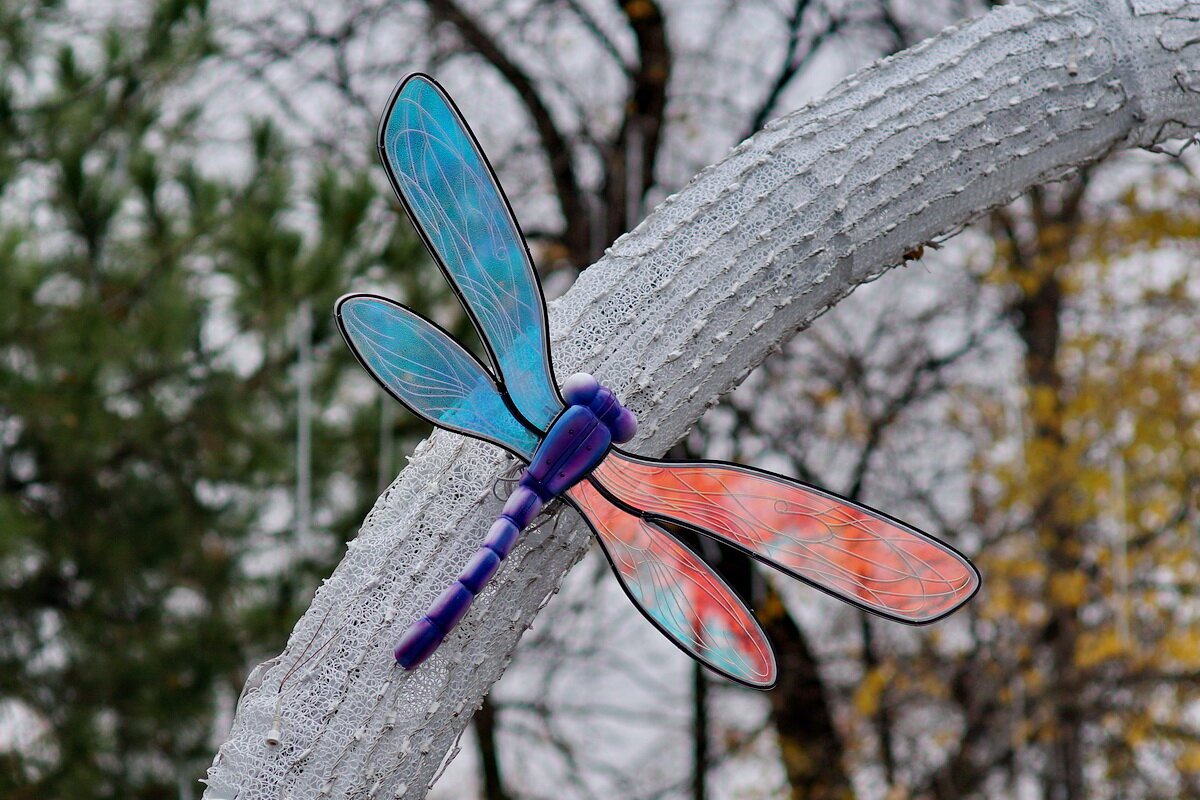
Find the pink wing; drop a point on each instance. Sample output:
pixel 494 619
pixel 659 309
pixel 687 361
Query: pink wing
pixel 852 552
pixel 678 592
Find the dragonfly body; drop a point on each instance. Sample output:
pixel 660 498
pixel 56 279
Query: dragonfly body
pixel 569 438
pixel 578 440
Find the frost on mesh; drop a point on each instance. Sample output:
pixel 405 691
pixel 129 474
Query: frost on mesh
pixel 674 315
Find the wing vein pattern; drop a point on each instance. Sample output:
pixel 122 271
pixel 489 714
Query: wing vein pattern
pixel 678 592
pixel 429 372
pixel 453 198
pixel 845 549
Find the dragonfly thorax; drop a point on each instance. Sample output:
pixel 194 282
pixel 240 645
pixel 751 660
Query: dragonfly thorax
pixel 578 438
pixel 582 389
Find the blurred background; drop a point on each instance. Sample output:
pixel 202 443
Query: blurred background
pixel 186 445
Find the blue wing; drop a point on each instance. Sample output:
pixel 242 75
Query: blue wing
pixel 422 367
pixel 449 190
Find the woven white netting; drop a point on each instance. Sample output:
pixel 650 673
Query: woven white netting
pixel 674 315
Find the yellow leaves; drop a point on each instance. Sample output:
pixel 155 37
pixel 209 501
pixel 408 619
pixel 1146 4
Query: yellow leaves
pixel 1129 197
pixel 639 9
pixel 1008 590
pixel 1177 292
pixel 870 689
pixel 1068 589
pixel 824 394
pixel 1182 645
pixel 1028 613
pixel 1141 227
pixel 1178 560
pixel 855 423
pixel 1138 729
pixel 1044 403
pixel 930 684
pixel 1189 760
pixel 1094 481
pixel 771 608
pixel 1045 468
pixel 1053 238
pixel 1156 509
pixel 1023 732
pixel 1034 678
pixel 1096 647
pixel 1083 476
pixel 1028 282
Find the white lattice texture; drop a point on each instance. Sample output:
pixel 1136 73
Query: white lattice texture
pixel 677 313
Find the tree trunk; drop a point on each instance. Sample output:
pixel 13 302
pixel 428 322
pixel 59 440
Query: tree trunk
pixel 1038 269
pixel 489 752
pixel 809 746
pixel 675 315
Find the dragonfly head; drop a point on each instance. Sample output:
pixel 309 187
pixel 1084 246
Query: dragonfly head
pixel 582 389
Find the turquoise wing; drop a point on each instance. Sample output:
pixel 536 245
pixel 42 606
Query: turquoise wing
pixel 452 196
pixel 430 373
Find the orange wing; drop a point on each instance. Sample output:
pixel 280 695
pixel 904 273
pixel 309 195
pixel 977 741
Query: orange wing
pixel 850 551
pixel 678 592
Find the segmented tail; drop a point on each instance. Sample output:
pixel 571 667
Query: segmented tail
pixel 424 635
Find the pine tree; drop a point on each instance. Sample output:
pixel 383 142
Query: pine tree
pixel 148 372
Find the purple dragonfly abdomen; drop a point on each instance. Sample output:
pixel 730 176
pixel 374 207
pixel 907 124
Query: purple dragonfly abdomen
pixel 578 439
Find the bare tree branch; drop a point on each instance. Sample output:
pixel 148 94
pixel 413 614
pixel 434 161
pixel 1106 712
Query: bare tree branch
pixel 576 219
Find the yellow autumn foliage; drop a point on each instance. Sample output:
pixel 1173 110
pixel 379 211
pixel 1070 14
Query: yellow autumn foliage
pixel 1096 647
pixel 870 689
pixel 1075 492
pixel 1189 760
pixel 1182 646
pixel 1068 588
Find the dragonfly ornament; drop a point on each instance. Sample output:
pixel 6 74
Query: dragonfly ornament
pixel 568 437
